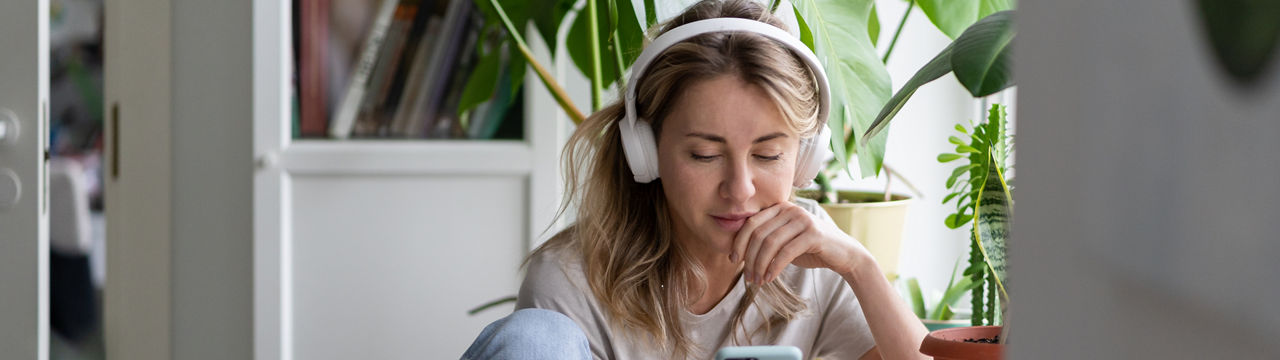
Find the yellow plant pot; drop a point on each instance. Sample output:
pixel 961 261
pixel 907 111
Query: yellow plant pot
pixel 876 223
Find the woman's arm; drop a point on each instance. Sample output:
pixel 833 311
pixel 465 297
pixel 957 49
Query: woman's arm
pixel 897 331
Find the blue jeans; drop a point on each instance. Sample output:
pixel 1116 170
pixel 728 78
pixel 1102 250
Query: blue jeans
pixel 530 334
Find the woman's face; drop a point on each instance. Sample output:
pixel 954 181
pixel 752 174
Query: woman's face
pixel 724 153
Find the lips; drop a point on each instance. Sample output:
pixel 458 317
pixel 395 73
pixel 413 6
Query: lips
pixel 731 222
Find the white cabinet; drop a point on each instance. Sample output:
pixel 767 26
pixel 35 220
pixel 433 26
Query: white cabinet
pixel 377 248
pixel 277 248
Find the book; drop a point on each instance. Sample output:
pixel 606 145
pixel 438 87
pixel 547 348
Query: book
pixel 415 78
pixel 447 123
pixel 313 117
pixel 406 57
pixel 425 106
pixel 344 117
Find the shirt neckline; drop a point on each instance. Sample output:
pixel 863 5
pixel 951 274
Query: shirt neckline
pixel 729 301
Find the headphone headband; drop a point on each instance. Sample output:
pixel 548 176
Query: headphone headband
pixel 644 161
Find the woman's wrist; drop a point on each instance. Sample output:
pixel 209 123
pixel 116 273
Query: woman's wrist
pixel 861 265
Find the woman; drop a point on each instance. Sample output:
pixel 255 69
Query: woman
pixel 716 251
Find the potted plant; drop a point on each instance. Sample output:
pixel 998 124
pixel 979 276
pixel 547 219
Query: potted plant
pixel 983 201
pixel 942 314
pixel 979 57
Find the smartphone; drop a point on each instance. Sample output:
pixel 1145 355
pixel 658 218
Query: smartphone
pixel 758 353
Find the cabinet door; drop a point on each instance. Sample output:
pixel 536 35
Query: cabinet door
pixel 24 242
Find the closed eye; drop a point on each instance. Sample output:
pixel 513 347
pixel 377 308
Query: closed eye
pixel 703 158
pixel 770 158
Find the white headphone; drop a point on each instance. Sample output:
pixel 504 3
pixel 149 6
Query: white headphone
pixel 637 135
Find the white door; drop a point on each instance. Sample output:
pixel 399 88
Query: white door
pixel 24 242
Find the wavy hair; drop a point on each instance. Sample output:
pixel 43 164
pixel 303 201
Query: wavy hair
pixel 623 229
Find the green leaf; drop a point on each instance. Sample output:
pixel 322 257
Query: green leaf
pixel 955 221
pixel 1243 35
pixel 859 81
pixel 806 35
pixel 981 55
pixel 650 14
pixel 961 128
pixel 547 15
pixel 953 16
pixel 956 140
pixel 517 65
pixel 934 69
pixel 951 196
pixel 953 294
pixel 948 157
pixel 917 300
pixel 946 313
pixel 991 225
pixel 612 6
pixel 630 35
pixel 958 172
pixel 482 81
pixel 873 26
pixel 967 149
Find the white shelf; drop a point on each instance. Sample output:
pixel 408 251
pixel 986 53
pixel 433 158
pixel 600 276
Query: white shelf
pixel 408 157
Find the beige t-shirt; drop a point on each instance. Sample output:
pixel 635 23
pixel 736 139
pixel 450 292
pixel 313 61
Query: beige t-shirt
pixel 831 327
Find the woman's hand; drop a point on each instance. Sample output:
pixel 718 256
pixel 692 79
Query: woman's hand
pixel 784 234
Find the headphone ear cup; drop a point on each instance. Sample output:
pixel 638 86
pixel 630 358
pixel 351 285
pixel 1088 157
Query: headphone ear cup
pixel 812 152
pixel 640 149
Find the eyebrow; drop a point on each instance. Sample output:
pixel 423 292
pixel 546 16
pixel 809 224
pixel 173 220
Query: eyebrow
pixel 720 139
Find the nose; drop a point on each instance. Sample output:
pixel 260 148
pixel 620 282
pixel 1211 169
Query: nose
pixel 739 183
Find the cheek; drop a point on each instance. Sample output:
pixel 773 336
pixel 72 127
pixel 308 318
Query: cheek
pixel 775 187
pixel 683 178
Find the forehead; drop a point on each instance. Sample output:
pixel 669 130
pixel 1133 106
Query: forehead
pixel 727 106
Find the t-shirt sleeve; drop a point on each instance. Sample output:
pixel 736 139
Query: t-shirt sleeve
pixel 844 333
pixel 552 283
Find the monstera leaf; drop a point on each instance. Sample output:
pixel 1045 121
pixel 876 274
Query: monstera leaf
pixel 614 14
pixel 953 16
pixel 859 81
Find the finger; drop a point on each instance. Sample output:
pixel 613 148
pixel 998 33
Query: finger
pixel 769 248
pixel 788 253
pixel 756 242
pixel 744 234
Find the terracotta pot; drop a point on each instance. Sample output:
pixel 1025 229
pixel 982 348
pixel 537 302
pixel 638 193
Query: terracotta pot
pixel 948 344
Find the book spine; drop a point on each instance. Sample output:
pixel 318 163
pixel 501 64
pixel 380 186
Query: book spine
pixel 415 80
pixel 445 57
pixel 345 116
pixel 313 35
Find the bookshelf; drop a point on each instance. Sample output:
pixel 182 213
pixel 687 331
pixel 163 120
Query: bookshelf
pixel 375 248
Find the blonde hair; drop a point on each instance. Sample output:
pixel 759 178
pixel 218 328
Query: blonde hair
pixel 623 230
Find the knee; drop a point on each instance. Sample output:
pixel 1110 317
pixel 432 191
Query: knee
pixel 539 325
pixel 531 334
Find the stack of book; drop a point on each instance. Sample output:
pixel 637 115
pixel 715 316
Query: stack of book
pixel 405 78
